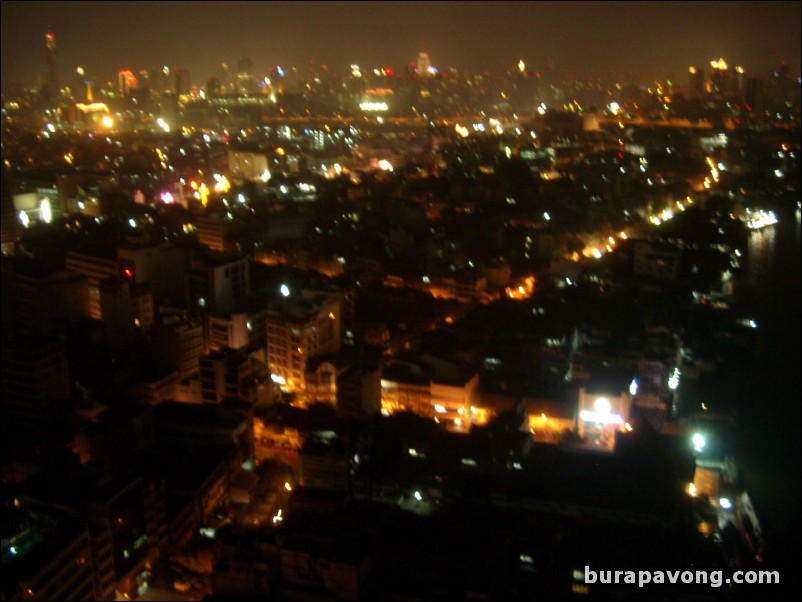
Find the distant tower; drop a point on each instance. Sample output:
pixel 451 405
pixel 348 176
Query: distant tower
pixel 696 83
pixel 50 48
pixel 245 81
pixel 182 82
pixel 424 64
pixel 225 79
pixel 126 82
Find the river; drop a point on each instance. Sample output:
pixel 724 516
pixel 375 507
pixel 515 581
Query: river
pixel 765 389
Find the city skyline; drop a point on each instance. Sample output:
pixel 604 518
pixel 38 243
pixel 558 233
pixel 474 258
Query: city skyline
pixel 647 40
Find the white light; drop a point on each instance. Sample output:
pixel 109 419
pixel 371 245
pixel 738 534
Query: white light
pixel 44 211
pixel 240 198
pixel 285 290
pixel 546 216
pixel 673 381
pixel 699 442
pixel 439 409
pixel 418 496
pixel 385 165
pixel 633 387
pixel 373 106
pixel 132 222
pixel 280 380
pixel 725 503
pixel 602 405
pixel 588 416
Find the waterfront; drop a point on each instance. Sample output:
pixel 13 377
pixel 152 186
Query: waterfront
pixel 762 387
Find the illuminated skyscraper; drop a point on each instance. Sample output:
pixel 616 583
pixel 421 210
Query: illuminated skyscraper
pixel 424 64
pixel 696 82
pixel 245 80
pixel 50 48
pixel 126 81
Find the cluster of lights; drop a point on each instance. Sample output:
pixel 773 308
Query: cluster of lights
pixel 601 413
pixel 673 380
pixel 45 214
pixel 374 106
pixel 757 219
pixel 221 183
pixel 669 214
pixel 598 253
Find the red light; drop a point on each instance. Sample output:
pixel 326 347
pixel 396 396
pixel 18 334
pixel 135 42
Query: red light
pixel 129 273
pixel 388 72
pixel 620 155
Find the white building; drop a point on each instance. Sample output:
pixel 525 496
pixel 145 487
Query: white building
pixel 298 329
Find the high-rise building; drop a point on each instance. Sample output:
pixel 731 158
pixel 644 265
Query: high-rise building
pixel 298 330
pixel 36 387
pixel 424 65
pixel 9 225
pixel 218 283
pixel 182 82
pixel 52 76
pixel 51 559
pixel 178 343
pixel 46 299
pixel 245 80
pixel 755 95
pixel 96 263
pixel 696 82
pixel 127 310
pixel 126 82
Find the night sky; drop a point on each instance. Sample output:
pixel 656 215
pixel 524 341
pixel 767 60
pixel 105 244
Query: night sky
pixel 649 39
